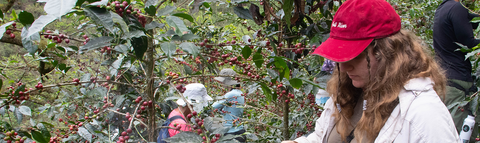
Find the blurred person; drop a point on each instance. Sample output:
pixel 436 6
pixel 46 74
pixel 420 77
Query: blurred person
pixel 197 97
pixel 231 105
pixel 452 25
pixel 385 87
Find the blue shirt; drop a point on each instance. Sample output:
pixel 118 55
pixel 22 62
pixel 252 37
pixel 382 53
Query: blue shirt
pixel 232 112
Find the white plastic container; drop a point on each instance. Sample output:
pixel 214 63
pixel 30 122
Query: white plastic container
pixel 467 128
pixel 321 97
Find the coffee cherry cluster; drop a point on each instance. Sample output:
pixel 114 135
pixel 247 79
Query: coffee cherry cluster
pixel 76 81
pixel 122 8
pixel 56 38
pixel 124 136
pixel 282 93
pixel 106 49
pixel 12 136
pixel 86 39
pixel 194 69
pixel 39 85
pixel 299 48
pixel 181 88
pixel 144 106
pixel 300 133
pixel 9 32
pixel 22 95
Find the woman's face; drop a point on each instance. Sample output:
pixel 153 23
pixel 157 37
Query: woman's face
pixel 357 68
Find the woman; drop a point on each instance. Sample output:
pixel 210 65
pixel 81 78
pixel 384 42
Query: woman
pixel 386 86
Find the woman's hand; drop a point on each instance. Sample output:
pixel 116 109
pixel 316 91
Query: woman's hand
pixel 289 142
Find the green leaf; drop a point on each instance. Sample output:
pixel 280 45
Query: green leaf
pixel 26 18
pixel 3 28
pixel 44 130
pixel 168 48
pixel 266 91
pixel 227 138
pixel 295 82
pixel 1 15
pixel 463 48
pixel 97 2
pixel 246 52
pixel 118 62
pixel 190 48
pixel 39 24
pixel 58 8
pixel 85 134
pixel 117 19
pixel 184 137
pixel 177 23
pixel 151 3
pixel 242 12
pixel 472 53
pixel 166 10
pixel 32 122
pixel 122 49
pixel 184 16
pixel 287 8
pixel 154 24
pixel 151 10
pixel 140 46
pixel 21 88
pixel 28 42
pixel 474 105
pixel 100 16
pixel 37 136
pixel 187 37
pixel 258 60
pixel 97 43
pixel 1 81
pixel 14 14
pixel 475 20
pixel 18 115
pixel 134 34
pixel 25 110
pixel 188 70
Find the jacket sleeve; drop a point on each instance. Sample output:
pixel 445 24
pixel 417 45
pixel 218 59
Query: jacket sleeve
pixel 320 126
pixel 459 17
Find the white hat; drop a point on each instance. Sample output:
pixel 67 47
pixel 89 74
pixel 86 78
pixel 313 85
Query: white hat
pixel 227 80
pixel 196 95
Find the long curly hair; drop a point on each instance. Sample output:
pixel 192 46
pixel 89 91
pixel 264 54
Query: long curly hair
pixel 400 58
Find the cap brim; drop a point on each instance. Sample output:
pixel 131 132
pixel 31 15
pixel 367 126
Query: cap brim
pixel 181 102
pixel 208 97
pixel 341 50
pixel 230 82
pixel 221 79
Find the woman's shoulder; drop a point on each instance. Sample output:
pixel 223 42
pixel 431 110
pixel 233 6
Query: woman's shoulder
pixel 427 106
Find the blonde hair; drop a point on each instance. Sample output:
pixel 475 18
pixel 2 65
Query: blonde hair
pixel 400 58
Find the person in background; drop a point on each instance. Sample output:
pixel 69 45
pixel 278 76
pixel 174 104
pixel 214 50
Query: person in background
pixel 197 97
pixel 385 87
pixel 231 106
pixel 452 25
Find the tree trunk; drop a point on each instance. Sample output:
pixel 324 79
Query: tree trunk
pixel 150 66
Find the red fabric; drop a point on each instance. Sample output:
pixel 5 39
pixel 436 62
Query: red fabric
pixel 183 125
pixel 355 25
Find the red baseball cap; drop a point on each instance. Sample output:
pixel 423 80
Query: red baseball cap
pixel 355 25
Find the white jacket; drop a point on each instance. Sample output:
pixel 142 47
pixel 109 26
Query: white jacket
pixel 420 117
